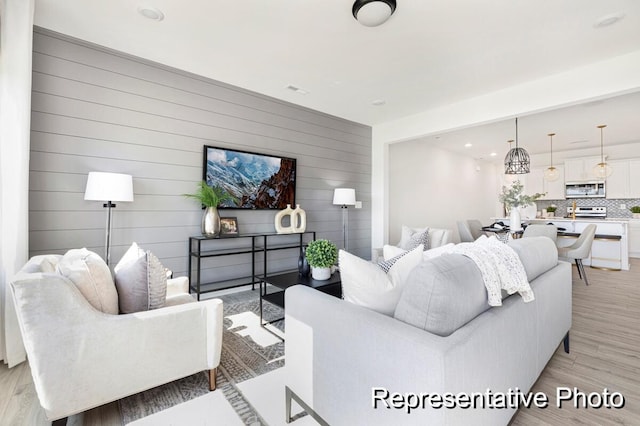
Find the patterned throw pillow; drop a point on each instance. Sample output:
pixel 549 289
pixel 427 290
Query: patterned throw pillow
pixel 387 264
pixel 413 237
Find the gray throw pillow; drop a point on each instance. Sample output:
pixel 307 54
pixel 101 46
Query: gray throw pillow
pixel 141 281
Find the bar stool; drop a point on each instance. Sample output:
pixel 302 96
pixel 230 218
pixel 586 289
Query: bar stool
pixel 580 250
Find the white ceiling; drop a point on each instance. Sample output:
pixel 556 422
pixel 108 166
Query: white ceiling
pixel 430 53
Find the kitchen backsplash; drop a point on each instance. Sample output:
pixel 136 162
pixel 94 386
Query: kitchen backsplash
pixel 613 206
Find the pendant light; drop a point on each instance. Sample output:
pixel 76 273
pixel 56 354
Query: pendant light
pixel 551 173
pixel 602 170
pixel 516 162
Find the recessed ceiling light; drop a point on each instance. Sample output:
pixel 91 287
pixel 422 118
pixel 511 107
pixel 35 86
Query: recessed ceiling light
pixel 379 102
pixel 151 12
pixel 296 89
pixel 608 20
pixel 468 145
pixel 493 154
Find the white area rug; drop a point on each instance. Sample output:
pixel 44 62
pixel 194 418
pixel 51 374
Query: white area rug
pixel 211 409
pixel 266 394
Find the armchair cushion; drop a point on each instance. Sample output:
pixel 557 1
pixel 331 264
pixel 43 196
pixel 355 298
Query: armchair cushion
pixel 91 275
pixel 141 281
pixel 413 237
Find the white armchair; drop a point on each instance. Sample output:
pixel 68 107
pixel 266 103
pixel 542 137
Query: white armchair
pixel 82 358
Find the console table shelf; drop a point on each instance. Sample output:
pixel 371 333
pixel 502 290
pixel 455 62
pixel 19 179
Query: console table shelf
pixel 201 248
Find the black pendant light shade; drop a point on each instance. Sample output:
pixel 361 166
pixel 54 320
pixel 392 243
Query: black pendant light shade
pixel 372 13
pixel 517 161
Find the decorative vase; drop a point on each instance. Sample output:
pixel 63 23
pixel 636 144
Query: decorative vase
pixel 514 220
pixel 280 216
pixel 320 274
pixel 303 264
pixel 211 222
pixel 298 220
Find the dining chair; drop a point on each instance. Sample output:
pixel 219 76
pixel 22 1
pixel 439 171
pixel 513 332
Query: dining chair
pixel 540 230
pixel 580 250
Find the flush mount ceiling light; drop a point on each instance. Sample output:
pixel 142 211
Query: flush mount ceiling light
pixel 551 173
pixel 372 13
pixel 608 20
pixel 516 162
pixel 151 12
pixel 602 170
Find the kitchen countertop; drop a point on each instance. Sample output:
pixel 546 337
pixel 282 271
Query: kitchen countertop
pixel 578 219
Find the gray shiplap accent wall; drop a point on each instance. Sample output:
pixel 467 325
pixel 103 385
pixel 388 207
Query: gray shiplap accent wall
pixel 95 109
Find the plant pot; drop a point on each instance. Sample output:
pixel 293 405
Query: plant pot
pixel 320 274
pixel 211 222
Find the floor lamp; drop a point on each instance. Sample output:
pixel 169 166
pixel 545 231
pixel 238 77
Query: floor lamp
pixel 344 197
pixel 108 187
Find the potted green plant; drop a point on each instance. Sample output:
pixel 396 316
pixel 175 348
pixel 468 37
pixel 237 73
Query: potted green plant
pixel 551 210
pixel 514 198
pixel 636 212
pixel 211 197
pixel 321 255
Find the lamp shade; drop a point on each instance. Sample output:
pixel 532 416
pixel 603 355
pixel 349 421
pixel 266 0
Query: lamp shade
pixel 344 196
pixel 109 187
pixel 372 13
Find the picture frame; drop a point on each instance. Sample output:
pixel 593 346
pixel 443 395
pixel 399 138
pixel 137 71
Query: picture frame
pixel 229 227
pixel 256 181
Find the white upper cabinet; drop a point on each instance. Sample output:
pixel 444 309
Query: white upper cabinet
pixel 580 169
pixel 634 178
pixel 535 182
pixel 624 182
pixel 618 182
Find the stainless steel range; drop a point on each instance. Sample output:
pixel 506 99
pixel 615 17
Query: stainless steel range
pixel 599 212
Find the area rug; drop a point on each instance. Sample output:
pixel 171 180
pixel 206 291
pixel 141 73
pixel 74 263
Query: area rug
pixel 248 351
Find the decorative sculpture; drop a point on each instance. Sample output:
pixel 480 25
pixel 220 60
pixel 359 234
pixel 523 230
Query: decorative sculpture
pixel 297 220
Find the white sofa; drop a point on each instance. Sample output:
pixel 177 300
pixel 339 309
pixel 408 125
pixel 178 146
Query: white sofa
pixel 443 338
pixel 81 358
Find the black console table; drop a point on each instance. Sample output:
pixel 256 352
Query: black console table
pixel 201 247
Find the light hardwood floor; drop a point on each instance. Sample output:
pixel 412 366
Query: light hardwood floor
pixel 605 353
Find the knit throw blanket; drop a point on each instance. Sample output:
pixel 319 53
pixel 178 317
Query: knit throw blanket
pixel 500 266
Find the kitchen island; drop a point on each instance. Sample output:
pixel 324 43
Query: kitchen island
pixel 610 249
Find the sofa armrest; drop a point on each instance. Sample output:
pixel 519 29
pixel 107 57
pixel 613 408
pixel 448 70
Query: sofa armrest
pixel 176 286
pixel 81 358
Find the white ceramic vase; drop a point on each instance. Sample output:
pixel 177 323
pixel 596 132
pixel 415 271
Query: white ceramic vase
pixel 514 220
pixel 320 274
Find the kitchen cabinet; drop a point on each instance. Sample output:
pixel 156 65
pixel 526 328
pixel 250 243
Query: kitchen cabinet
pixel 535 182
pixel 618 182
pixel 624 182
pixel 634 178
pixel 580 169
pixel 634 238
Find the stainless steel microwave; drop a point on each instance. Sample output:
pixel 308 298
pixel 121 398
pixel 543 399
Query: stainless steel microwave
pixel 594 189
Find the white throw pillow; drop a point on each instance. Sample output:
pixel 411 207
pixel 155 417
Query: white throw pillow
pixel 141 281
pixel 438 251
pixel 92 277
pixel 366 284
pixel 389 252
pixel 412 237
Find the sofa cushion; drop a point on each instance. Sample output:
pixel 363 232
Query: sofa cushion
pixel 412 237
pixel 91 275
pixel 443 294
pixel 366 284
pixel 537 254
pixel 141 281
